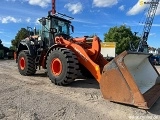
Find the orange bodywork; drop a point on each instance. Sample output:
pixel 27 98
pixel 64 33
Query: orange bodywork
pixel 129 78
pixel 88 55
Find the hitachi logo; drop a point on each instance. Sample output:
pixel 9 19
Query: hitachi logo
pixel 82 56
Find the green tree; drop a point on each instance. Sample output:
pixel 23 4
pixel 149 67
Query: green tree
pixel 22 34
pixel 1 45
pixel 123 37
pixel 12 48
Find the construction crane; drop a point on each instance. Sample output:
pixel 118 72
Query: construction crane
pixel 143 46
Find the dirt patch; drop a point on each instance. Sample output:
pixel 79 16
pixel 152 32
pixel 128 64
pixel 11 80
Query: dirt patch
pixel 36 98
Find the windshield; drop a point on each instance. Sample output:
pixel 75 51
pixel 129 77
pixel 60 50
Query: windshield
pixel 61 26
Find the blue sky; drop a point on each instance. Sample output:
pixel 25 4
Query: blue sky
pixel 90 16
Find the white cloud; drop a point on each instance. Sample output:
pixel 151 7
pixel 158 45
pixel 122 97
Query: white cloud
pixel 105 26
pixel 121 8
pixel 41 3
pixel 37 21
pixel 158 10
pixel 156 25
pixel 83 21
pixel 11 0
pixel 152 34
pixel 74 8
pixel 137 8
pixel 91 26
pixel 9 19
pixel 28 20
pixel 104 3
pixel 94 11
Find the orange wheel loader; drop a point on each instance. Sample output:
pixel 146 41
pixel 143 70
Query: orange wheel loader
pixel 129 78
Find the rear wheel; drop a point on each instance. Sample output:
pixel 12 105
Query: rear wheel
pixel 26 64
pixel 62 66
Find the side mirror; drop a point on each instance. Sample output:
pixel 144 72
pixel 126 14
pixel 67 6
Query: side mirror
pixel 43 21
pixel 72 28
pixel 53 30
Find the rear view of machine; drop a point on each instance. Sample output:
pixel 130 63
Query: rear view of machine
pixel 129 78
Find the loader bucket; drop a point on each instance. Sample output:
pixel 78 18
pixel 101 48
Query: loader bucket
pixel 130 78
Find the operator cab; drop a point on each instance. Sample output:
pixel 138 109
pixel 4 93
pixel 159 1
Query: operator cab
pixel 53 26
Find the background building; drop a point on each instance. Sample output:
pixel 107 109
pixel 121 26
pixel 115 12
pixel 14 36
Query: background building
pixel 108 49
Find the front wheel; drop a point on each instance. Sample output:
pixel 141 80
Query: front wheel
pixel 62 66
pixel 26 64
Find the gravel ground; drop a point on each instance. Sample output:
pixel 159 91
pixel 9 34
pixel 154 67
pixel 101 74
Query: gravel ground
pixel 36 98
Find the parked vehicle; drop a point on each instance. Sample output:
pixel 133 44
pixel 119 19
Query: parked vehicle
pixel 155 60
pixel 158 59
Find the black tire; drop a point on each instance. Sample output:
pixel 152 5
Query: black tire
pixel 29 67
pixel 69 66
pixel 85 72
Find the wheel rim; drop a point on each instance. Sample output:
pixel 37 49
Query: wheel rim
pixel 22 63
pixel 56 66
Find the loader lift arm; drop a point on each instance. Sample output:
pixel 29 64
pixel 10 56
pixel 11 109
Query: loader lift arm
pixel 88 56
